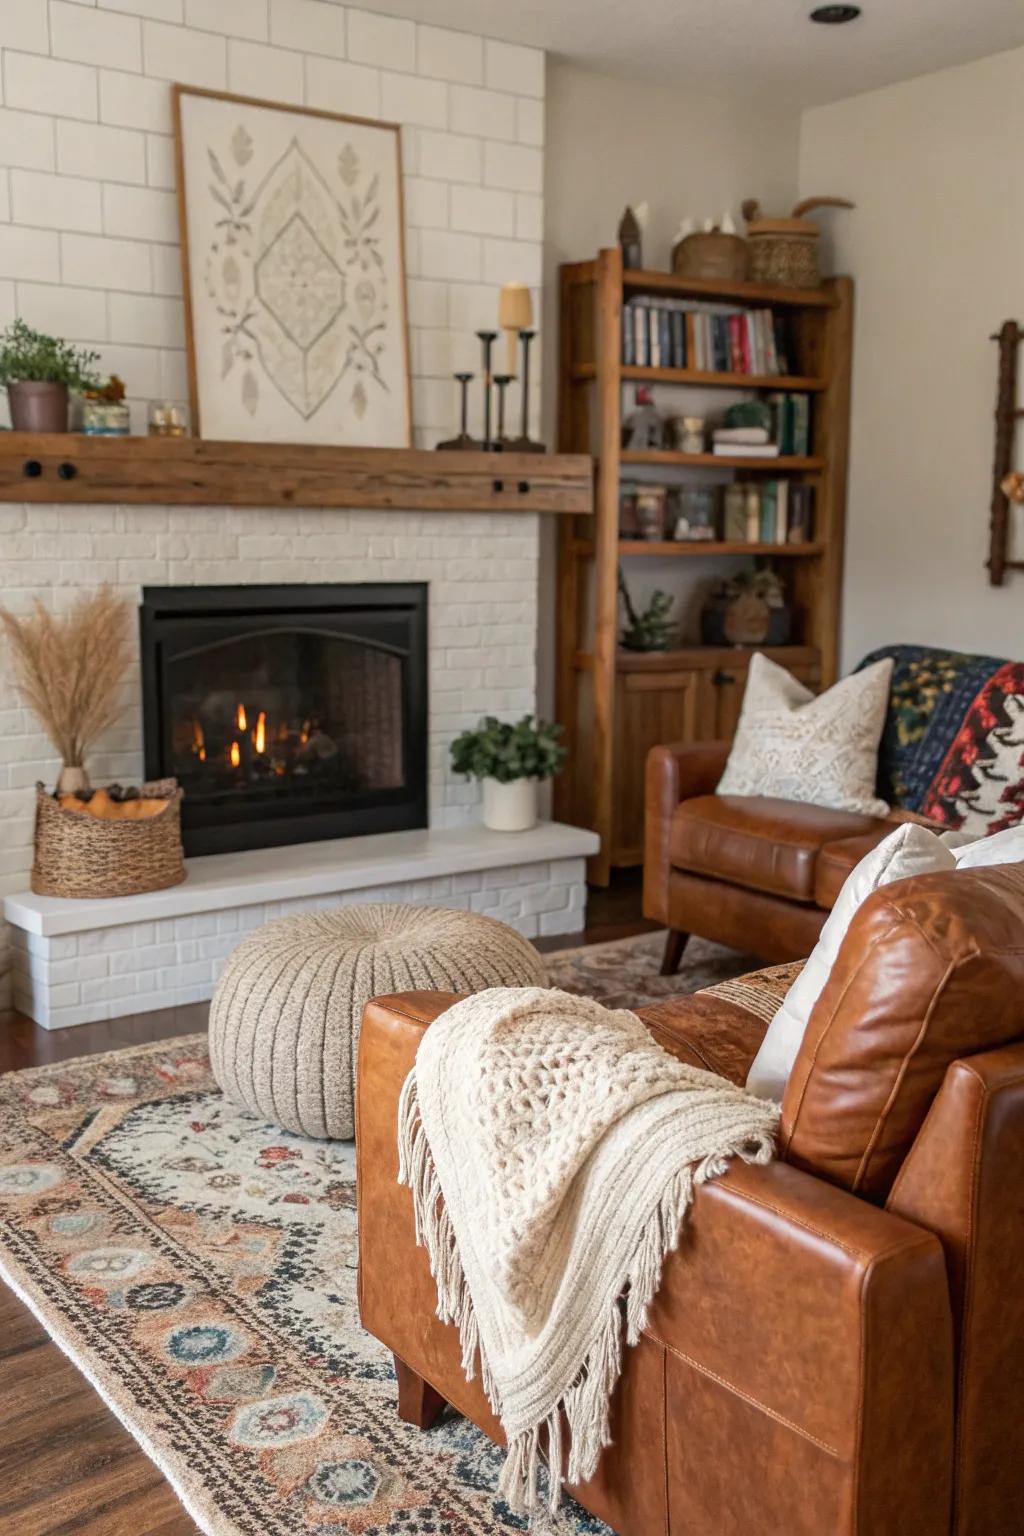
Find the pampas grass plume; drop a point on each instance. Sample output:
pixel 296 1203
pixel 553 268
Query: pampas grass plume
pixel 68 668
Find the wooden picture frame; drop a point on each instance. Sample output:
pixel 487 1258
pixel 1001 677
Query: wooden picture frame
pixel 290 284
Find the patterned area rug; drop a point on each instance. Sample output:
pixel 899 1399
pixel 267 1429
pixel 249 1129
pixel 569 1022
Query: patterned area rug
pixel 199 1267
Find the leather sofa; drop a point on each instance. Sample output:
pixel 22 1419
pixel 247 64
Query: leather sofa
pixel 749 871
pixel 837 1348
pixel 761 874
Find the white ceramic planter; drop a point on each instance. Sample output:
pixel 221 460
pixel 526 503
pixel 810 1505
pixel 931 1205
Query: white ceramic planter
pixel 510 807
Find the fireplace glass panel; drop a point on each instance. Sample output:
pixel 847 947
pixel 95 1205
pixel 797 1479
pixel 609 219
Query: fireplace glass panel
pixel 292 719
pixel 286 716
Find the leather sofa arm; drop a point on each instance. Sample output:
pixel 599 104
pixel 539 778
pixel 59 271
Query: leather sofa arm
pixel 809 1363
pixel 674 773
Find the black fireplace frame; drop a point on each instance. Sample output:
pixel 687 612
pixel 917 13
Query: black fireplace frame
pixel 387 810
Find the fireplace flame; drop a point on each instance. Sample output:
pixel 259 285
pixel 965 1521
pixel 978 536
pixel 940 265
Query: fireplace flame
pixel 259 735
pixel 235 754
pixel 198 741
pixel 240 718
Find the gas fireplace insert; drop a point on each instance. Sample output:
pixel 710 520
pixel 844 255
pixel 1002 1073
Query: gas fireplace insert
pixel 287 713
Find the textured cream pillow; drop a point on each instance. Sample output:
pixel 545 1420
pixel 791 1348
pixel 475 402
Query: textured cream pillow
pixel 818 748
pixel 910 850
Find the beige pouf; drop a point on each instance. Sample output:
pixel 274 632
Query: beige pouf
pixel 285 1018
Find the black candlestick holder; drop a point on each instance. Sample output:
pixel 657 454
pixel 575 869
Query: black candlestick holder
pixel 524 443
pixel 501 383
pixel 463 441
pixel 487 340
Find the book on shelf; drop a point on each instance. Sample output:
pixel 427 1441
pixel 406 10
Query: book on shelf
pixel 768 512
pixel 732 450
pixel 676 333
pixel 791 415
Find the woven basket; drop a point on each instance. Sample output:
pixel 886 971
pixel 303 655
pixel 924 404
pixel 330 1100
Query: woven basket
pixel 87 856
pixel 711 254
pixel 786 258
pixel 784 252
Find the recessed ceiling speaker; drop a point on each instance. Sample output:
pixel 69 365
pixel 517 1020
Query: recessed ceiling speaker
pixel 835 15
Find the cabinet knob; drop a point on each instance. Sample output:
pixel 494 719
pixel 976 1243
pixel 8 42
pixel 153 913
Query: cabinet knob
pixel 720 678
pixel 66 471
pixel 32 469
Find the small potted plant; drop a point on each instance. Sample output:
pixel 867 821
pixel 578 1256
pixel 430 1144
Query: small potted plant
pixel 511 760
pixel 39 371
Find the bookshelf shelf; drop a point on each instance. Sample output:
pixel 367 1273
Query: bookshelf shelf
pixel 696 547
pixel 615 705
pixel 671 285
pixel 668 458
pixel 794 383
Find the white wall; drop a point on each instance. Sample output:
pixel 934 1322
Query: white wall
pixel 88 213
pixel 936 246
pixel 610 142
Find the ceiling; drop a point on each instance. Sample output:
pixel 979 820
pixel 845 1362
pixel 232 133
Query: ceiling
pixel 753 47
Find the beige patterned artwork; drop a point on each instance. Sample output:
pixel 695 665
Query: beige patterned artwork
pixel 295 283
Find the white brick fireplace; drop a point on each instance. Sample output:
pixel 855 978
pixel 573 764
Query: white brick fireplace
pixel 76 962
pixel 88 249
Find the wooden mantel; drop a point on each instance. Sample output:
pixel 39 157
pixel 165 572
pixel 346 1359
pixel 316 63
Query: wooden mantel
pixel 69 467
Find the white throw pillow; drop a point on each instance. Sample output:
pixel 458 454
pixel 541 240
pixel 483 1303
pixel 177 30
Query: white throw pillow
pixel 910 850
pixel 1006 847
pixel 818 748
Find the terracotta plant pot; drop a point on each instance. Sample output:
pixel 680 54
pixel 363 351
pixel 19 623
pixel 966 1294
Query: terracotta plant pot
pixel 38 407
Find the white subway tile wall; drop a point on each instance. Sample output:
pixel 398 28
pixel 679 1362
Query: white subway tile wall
pixel 87 174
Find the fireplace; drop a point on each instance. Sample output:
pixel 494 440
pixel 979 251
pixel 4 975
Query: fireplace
pixel 287 713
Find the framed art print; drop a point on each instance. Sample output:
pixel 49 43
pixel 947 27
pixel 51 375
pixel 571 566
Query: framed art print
pixel 292 252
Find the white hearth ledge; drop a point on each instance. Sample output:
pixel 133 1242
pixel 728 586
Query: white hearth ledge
pixel 223 881
pixel 75 962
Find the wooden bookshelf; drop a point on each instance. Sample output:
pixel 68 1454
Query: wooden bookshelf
pixel 616 704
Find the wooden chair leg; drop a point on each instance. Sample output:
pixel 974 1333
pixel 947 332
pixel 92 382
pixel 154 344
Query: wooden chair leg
pixel 418 1402
pixel 675 943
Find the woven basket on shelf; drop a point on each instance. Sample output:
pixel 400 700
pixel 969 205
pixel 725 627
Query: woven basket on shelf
pixel 784 252
pixel 88 856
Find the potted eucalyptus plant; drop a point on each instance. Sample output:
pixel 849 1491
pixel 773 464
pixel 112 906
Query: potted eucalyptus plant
pixel 39 371
pixel 510 760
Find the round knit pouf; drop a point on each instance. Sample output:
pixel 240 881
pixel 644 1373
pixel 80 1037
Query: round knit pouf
pixel 285 1018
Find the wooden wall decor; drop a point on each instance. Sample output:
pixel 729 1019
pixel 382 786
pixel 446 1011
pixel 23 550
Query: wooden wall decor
pixel 1008 413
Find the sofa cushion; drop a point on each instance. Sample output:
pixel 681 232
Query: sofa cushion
pixel 759 842
pixel 720 1028
pixel 838 860
pixel 931 970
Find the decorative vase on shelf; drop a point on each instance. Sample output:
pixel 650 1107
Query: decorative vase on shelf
pixel 510 807
pixel 39 373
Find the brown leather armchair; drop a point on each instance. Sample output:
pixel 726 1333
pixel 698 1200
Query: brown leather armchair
pixel 749 871
pixel 837 1348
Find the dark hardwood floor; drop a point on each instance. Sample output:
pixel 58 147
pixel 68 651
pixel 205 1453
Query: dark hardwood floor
pixel 66 1463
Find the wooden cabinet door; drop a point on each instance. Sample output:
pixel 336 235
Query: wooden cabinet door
pixel 652 708
pixel 722 696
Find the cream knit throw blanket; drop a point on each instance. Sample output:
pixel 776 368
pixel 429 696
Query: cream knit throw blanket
pixel 552 1148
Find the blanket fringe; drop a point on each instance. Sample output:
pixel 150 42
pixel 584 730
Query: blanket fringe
pixel 585 1407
